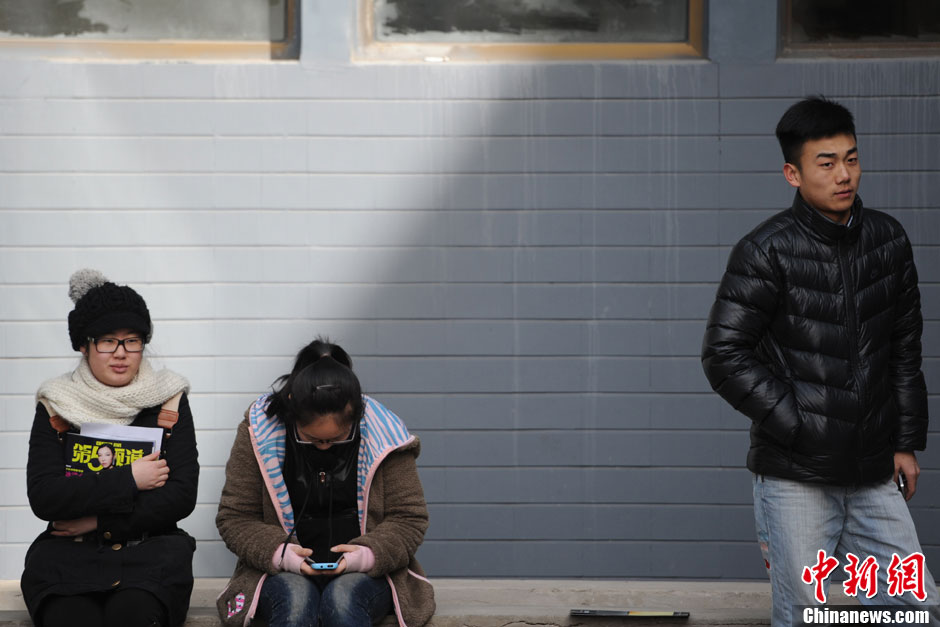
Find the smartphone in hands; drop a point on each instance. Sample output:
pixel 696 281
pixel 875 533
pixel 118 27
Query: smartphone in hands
pixel 321 565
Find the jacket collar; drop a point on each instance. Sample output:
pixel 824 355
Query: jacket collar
pixel 382 432
pixel 824 229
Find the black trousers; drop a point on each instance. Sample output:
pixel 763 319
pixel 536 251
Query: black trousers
pixel 130 607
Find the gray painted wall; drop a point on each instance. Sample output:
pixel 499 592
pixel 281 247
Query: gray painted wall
pixel 520 258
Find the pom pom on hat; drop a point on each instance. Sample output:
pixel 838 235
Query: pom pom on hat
pixel 102 307
pixel 82 281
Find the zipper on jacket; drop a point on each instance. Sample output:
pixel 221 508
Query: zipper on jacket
pixel 848 290
pixel 321 484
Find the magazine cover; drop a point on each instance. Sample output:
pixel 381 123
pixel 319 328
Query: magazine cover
pixel 109 432
pixel 86 453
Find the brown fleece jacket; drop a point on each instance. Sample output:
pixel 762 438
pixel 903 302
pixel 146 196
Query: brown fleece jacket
pixel 396 520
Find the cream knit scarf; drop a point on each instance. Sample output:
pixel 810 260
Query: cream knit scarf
pixel 79 397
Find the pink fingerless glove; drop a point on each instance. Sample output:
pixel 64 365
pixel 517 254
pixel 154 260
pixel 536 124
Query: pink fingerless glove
pixel 291 562
pixel 359 561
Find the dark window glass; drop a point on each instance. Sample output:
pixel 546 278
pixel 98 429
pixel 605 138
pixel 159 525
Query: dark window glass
pixel 531 21
pixel 146 20
pixel 861 23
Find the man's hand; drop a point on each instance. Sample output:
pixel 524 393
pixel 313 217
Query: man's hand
pixel 75 527
pixel 906 463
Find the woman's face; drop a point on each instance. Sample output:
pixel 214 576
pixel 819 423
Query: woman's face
pixel 116 369
pixel 105 457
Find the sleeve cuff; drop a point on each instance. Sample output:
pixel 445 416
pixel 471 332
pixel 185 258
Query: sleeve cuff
pixel 120 489
pixel 113 528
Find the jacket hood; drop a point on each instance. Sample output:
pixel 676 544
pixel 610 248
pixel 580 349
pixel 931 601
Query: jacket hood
pixel 382 432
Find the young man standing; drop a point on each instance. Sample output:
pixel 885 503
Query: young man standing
pixel 815 336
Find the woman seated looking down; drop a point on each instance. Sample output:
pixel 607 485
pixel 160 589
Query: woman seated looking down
pixel 323 506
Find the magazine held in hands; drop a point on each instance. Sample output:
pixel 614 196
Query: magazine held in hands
pixel 102 447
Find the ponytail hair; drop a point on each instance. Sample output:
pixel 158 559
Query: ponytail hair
pixel 321 382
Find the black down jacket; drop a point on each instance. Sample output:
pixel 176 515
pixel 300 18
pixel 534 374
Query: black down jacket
pixel 815 336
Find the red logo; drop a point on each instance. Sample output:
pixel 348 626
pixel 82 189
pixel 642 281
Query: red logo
pixel 907 575
pixel 904 575
pixel 819 573
pixel 861 576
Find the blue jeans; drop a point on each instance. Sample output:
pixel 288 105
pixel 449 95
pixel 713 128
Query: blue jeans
pixel 795 520
pixel 350 600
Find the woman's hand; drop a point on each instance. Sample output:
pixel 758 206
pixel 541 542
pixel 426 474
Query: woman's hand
pixel 305 568
pixel 355 559
pixel 150 472
pixel 339 570
pixel 341 562
pixel 76 527
pixel 291 559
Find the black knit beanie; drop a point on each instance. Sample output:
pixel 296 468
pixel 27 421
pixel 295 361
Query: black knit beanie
pixel 102 307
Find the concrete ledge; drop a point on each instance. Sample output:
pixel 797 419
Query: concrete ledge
pixel 530 602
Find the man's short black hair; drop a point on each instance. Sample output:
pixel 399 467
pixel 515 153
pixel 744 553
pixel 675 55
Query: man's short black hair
pixel 811 118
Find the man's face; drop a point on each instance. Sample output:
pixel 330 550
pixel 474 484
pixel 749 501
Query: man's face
pixel 827 175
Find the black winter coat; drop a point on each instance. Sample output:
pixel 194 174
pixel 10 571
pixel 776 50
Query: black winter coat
pixel 158 557
pixel 815 336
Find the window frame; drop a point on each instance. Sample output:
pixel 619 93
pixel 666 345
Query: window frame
pixel 372 50
pixel 858 48
pixel 162 49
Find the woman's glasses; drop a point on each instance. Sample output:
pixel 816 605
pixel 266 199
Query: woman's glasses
pixel 111 344
pixel 349 438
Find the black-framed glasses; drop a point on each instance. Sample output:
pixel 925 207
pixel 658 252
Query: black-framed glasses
pixel 349 438
pixel 111 344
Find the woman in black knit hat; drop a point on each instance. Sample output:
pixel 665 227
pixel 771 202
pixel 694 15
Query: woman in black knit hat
pixel 112 553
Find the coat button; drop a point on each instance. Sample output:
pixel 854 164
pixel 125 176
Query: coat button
pixel 107 535
pixel 116 583
pixel 116 547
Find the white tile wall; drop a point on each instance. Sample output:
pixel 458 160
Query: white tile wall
pixel 518 257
